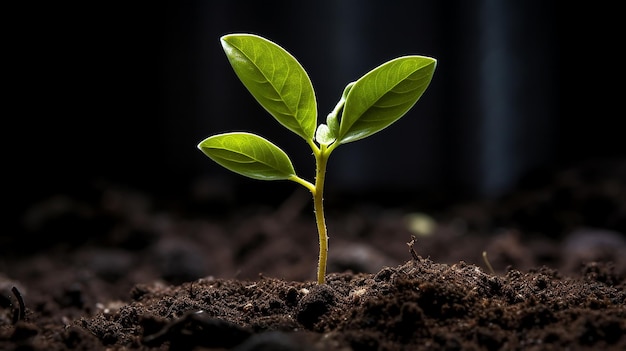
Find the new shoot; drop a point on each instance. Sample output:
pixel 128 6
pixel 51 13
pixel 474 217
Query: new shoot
pixel 281 85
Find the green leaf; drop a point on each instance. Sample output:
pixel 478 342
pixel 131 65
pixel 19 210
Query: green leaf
pixel 332 120
pixel 249 155
pixel 383 95
pixel 324 135
pixel 275 79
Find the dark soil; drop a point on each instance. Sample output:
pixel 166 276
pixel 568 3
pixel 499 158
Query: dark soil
pixel 113 268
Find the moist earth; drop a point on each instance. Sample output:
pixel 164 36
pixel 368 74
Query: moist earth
pixel 111 267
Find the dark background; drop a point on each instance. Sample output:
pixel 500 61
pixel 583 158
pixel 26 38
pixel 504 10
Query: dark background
pixel 125 91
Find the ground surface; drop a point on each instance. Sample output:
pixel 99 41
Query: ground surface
pixel 113 268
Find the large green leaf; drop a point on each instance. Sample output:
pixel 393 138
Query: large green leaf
pixel 249 155
pixel 383 95
pixel 275 79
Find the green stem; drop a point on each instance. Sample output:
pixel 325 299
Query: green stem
pixel 304 183
pixel 317 190
pixel 321 159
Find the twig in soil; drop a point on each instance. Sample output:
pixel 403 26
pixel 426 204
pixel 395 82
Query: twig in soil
pixel 191 292
pixel 411 245
pixel 20 313
pixel 487 263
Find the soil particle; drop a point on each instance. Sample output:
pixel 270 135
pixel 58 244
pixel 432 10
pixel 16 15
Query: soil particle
pixel 315 304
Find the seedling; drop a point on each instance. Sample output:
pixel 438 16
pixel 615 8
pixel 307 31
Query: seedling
pixel 281 85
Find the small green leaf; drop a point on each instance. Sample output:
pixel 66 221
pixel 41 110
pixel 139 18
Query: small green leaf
pixel 324 135
pixel 275 79
pixel 383 95
pixel 332 120
pixel 249 155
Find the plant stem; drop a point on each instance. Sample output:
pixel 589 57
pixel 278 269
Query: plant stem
pixel 321 159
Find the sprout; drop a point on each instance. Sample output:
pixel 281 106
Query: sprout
pixel 279 83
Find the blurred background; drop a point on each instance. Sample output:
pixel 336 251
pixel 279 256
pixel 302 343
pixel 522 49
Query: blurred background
pixel 125 91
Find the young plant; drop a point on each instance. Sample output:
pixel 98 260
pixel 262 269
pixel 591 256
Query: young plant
pixel 279 83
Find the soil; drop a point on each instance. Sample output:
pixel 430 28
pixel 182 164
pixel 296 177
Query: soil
pixel 115 268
